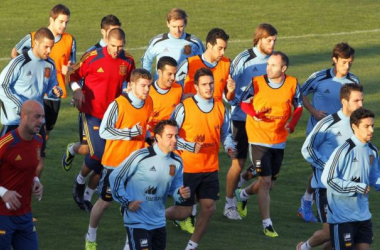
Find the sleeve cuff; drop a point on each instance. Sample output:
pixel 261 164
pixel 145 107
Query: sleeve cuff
pixel 74 86
pixel 3 190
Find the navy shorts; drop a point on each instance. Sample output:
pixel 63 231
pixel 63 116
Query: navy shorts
pixel 104 188
pixel 96 145
pixel 142 239
pixel 267 161
pixel 202 185
pixel 322 204
pixel 345 236
pixel 18 232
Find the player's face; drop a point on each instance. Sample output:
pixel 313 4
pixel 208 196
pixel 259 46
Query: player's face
pixel 355 101
pixel 106 32
pixel 176 27
pixel 59 25
pixel 140 88
pixel 168 141
pixel 166 76
pixel 266 45
pixel 342 66
pixel 275 69
pixel 205 87
pixel 43 48
pixel 217 50
pixel 364 131
pixel 34 120
pixel 114 47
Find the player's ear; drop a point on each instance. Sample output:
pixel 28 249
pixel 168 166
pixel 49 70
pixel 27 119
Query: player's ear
pixel 284 68
pixel 335 60
pixel 51 20
pixel 104 32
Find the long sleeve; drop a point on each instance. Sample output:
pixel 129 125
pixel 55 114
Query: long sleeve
pixel 25 43
pixel 182 73
pixel 52 82
pixel 178 115
pixel 107 128
pixel 225 133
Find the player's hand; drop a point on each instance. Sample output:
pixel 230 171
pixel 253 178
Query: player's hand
pixel 198 146
pixel 184 192
pixel 134 206
pixel 57 91
pixel 139 128
pixel 11 199
pixel 78 98
pixel 319 114
pixel 37 190
pixel 367 190
pixel 289 129
pixel 231 153
pixel 66 68
pixel 230 84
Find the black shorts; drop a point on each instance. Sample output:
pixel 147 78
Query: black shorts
pixel 240 137
pixel 51 112
pixel 322 204
pixel 267 161
pixel 202 185
pixel 7 128
pixel 141 239
pixel 347 235
pixel 104 189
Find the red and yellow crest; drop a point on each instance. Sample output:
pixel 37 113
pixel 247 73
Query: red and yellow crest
pixel 187 50
pixel 172 170
pixel 47 72
pixel 123 70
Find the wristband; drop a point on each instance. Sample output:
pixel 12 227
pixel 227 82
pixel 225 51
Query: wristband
pixel 74 86
pixel 3 190
pixel 36 179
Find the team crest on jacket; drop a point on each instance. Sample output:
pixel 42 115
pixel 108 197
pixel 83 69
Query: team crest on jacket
pixel 47 72
pixel 187 50
pixel 172 170
pixel 123 70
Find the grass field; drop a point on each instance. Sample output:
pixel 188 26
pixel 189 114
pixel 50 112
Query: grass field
pixel 307 32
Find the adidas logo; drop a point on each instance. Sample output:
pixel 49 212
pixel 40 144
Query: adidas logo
pixel 166 50
pixel 355 179
pixel 255 69
pixel 143 242
pixel 152 169
pixel 29 73
pixel 100 70
pixel 355 160
pixel 151 190
pixel 18 158
pixel 327 91
pixel 339 134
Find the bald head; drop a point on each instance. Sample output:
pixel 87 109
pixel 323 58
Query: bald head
pixel 117 34
pixel 32 115
pixel 31 106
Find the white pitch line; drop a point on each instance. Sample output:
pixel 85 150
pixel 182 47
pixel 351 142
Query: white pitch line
pixel 249 40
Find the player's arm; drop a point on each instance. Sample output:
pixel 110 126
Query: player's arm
pixel 25 43
pixel 312 143
pixel 297 113
pixel 177 190
pixel 182 73
pixel 178 115
pixel 107 128
pixel 226 137
pixel 229 89
pixel 374 176
pixel 235 74
pixel 53 89
pixel 332 174
pixel 307 88
pixel 8 79
pixel 120 176
pixel 149 56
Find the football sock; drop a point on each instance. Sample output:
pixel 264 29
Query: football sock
pixel 267 223
pixel 194 212
pixel 81 179
pixel 229 203
pixel 71 150
pixel 243 195
pixel 305 246
pixel 88 194
pixel 191 245
pixel 91 234
pixel 307 196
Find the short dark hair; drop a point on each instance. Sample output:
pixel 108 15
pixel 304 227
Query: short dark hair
pixel 166 60
pixel 140 73
pixel 117 34
pixel 214 34
pixel 359 114
pixel 59 9
pixel 284 58
pixel 43 33
pixel 159 128
pixel 347 88
pixel 109 20
pixel 263 31
pixel 202 72
pixel 343 50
